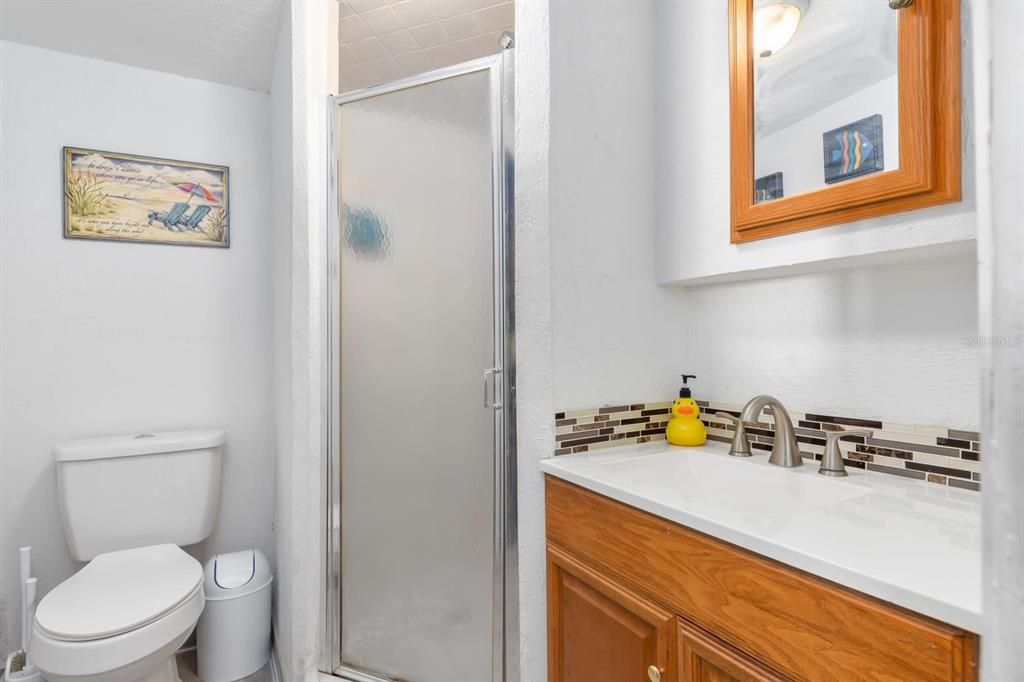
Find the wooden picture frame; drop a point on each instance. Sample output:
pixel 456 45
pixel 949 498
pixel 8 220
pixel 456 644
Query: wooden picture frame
pixel 929 172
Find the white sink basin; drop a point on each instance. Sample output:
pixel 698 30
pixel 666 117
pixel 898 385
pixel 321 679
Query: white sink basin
pixel 700 479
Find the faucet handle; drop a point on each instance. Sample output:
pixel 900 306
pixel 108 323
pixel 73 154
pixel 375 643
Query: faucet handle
pixel 832 461
pixel 740 443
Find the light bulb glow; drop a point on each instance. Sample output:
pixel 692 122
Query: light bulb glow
pixel 774 26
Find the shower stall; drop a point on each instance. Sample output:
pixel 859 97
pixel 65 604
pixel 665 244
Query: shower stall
pixel 420 581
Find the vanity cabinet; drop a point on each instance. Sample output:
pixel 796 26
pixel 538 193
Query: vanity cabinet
pixel 632 596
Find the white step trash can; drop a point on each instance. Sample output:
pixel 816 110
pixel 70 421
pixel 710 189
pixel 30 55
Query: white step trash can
pixel 234 631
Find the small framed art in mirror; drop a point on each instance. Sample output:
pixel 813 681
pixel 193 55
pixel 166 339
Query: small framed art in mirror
pixel 841 110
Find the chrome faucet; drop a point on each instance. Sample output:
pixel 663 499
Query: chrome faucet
pixel 785 451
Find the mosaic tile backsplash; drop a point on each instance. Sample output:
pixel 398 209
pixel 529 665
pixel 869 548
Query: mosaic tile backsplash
pixel 929 453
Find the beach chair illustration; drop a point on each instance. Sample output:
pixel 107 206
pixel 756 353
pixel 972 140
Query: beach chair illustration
pixel 171 218
pixel 178 220
pixel 192 222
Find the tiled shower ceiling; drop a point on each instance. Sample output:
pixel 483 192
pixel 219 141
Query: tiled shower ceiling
pixel 383 40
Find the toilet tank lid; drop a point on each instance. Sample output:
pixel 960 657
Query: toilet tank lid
pixel 133 444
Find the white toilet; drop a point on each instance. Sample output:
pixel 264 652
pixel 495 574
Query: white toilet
pixel 127 505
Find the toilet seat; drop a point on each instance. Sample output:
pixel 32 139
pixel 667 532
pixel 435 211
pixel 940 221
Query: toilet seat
pixel 119 592
pixel 124 612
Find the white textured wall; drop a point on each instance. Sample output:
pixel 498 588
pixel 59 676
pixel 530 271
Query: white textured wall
pixel 298 95
pixel 615 334
pixel 877 342
pixel 692 133
pixel 281 269
pixel 535 423
pixel 102 338
pixel 1000 110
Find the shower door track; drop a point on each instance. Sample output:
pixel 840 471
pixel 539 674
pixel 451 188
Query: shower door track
pixel 505 628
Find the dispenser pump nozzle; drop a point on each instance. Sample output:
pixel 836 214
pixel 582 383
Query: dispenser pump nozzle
pixel 684 392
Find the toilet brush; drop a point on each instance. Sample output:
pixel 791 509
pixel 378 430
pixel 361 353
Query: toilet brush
pixel 18 668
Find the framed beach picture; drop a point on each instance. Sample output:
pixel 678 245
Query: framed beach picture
pixel 123 197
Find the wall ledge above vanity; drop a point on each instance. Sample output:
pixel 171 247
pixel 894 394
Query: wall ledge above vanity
pixel 803 260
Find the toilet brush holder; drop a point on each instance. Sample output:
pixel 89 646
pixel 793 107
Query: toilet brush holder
pixel 17 669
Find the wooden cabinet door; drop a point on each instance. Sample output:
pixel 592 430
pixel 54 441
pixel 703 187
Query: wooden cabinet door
pixel 703 658
pixel 599 631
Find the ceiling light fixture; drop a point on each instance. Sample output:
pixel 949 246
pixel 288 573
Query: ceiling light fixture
pixel 775 22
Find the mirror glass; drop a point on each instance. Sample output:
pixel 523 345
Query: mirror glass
pixel 826 95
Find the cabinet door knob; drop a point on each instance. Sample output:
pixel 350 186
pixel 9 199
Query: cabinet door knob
pixel 654 673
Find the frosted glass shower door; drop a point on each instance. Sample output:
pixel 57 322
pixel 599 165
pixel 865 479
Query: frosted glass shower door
pixel 418 331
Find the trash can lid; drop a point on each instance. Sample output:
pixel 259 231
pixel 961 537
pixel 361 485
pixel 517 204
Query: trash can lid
pixel 236 574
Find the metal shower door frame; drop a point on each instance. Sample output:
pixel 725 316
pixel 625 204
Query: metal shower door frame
pixel 505 628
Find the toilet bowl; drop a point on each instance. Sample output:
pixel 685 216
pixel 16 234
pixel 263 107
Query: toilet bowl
pixel 119 619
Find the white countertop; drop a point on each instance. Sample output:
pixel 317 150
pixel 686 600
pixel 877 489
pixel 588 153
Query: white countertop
pixel 904 541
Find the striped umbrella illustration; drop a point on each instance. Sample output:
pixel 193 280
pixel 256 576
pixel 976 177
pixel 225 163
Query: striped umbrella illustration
pixel 195 189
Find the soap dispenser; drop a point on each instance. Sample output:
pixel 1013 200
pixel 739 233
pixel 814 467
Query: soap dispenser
pixel 685 426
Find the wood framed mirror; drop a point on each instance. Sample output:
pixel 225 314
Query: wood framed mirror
pixel 841 110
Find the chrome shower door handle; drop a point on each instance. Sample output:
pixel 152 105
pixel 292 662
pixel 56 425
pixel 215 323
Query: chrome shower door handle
pixel 491 388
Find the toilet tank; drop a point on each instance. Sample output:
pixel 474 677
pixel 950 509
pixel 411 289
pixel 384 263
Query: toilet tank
pixel 120 492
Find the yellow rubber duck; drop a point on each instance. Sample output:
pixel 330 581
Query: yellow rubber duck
pixel 685 426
